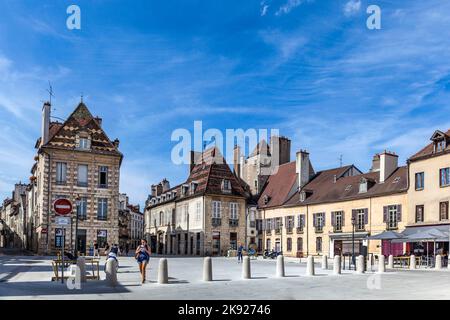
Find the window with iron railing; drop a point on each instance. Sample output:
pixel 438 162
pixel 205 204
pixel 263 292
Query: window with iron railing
pixel 216 222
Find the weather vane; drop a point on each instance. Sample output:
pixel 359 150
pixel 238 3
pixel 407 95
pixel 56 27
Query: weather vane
pixel 50 92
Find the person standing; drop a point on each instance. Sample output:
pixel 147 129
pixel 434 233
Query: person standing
pixel 127 249
pixel 96 253
pixel 239 252
pixel 142 256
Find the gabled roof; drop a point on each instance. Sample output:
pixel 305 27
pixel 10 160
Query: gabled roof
pixel 279 186
pixel 323 189
pixel 63 135
pixel 261 148
pixel 428 151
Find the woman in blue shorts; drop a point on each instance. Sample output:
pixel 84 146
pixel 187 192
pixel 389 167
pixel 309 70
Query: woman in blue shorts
pixel 142 256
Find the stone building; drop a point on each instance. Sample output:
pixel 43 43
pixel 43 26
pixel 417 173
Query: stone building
pixel 131 223
pixel 13 219
pixel 314 213
pixel 76 160
pixel 205 215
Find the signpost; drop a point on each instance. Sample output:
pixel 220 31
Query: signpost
pixel 62 207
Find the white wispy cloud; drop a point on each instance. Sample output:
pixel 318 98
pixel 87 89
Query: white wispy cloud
pixel 352 7
pixel 288 7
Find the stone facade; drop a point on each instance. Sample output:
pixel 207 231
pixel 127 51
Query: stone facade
pixel 76 156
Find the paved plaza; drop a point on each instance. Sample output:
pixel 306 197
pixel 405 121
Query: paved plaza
pixel 28 277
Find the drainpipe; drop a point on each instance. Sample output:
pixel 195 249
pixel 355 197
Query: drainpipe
pixel 307 230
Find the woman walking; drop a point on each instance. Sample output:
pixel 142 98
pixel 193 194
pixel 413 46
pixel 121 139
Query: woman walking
pixel 142 256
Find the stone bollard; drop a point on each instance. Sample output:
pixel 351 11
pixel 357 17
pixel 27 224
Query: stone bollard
pixel 412 262
pixel 246 272
pixel 81 263
pixel 337 265
pixel 111 272
pixel 360 265
pixel 391 262
pixel 369 262
pixel 324 262
pixel 207 269
pixel 310 266
pixel 280 266
pixel 438 264
pixel 381 266
pixel 163 273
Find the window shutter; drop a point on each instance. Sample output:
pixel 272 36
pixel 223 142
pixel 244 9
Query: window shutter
pixel 333 219
pixel 399 213
pixel 323 216
pixel 314 220
pixel 385 213
pixel 354 215
pixel 303 220
pixel 343 218
pixel 366 216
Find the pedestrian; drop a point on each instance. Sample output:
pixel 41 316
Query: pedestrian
pixel 239 252
pixel 106 248
pixel 142 256
pixel 127 249
pixel 96 253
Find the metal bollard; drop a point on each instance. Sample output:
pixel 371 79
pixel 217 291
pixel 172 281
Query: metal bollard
pixel 438 264
pixel 163 274
pixel 391 261
pixel 207 269
pixel 324 262
pixel 246 271
pixel 381 265
pixel 310 266
pixel 412 262
pixel 360 265
pixel 280 266
pixel 337 265
pixel 81 263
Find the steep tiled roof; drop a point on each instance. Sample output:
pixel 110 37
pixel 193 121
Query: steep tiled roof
pixel 261 148
pixel 279 186
pixel 208 175
pixel 323 189
pixel 429 149
pixel 81 120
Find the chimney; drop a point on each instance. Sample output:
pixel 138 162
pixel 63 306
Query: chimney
pixel 159 189
pixel 237 161
pixel 195 158
pixel 281 147
pixel 116 143
pixel 388 164
pixel 334 178
pixel 165 185
pixel 375 163
pixel 303 168
pixel 99 121
pixel 45 123
pixel 153 187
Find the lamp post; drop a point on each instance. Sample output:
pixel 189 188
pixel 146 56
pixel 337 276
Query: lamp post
pixel 353 240
pixel 77 202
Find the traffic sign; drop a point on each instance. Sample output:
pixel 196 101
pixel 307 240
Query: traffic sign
pixel 62 221
pixel 62 206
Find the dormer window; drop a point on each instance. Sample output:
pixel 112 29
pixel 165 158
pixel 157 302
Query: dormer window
pixel 193 187
pixel 302 196
pixel 174 194
pixel 266 199
pixel 83 141
pixel 226 185
pixel 184 190
pixel 440 145
pixel 363 185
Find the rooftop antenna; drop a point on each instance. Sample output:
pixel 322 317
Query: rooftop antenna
pixel 81 99
pixel 50 92
pixel 340 161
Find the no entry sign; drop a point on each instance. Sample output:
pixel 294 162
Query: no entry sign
pixel 62 207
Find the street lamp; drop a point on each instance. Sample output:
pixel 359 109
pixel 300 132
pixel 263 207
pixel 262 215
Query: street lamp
pixel 77 202
pixel 353 240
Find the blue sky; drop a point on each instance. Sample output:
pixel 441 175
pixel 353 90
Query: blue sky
pixel 309 68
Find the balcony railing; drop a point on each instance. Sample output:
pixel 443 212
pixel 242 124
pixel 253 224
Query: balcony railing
pixel 216 222
pixel 277 231
pixel 234 222
pixel 360 228
pixel 319 229
pixel 289 230
pixel 268 232
pixel 337 229
pixel 299 229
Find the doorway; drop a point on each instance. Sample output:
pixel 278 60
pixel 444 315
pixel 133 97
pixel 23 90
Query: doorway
pixel 337 247
pixel 81 241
